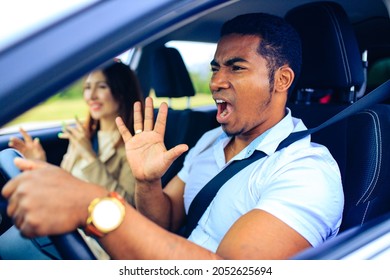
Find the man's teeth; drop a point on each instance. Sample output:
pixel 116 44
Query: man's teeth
pixel 225 111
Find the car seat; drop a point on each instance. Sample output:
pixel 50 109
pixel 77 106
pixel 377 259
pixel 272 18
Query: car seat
pixel 331 59
pixel 332 64
pixel 164 71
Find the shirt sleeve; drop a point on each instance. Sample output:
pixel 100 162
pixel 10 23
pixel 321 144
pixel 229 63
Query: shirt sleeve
pixel 305 192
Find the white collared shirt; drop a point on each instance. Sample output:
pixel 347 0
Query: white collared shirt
pixel 300 185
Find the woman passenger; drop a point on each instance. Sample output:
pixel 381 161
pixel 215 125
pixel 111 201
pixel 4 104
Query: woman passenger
pixel 96 151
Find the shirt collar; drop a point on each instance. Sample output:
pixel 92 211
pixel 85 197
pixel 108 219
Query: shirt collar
pixel 279 132
pixel 268 141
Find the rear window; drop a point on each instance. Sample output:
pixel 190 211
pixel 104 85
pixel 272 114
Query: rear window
pixel 197 57
pixel 378 73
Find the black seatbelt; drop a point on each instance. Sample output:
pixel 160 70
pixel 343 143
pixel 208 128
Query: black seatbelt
pixel 208 192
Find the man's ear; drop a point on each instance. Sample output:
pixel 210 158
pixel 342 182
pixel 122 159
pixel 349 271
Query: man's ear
pixel 284 77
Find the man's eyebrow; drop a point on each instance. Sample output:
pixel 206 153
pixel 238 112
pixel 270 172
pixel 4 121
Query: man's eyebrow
pixel 233 60
pixel 214 63
pixel 229 62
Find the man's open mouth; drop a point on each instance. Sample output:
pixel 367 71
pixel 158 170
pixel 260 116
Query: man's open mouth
pixel 224 109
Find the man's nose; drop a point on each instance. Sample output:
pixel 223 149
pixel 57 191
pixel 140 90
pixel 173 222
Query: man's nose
pixel 218 81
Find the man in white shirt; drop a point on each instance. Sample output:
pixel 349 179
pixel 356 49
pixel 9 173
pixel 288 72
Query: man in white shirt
pixel 307 197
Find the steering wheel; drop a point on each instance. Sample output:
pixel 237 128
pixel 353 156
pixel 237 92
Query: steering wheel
pixel 71 246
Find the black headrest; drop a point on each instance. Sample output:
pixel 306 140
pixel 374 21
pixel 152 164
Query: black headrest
pixel 170 77
pixel 330 51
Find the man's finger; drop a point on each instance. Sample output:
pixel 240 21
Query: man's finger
pixel 161 120
pixel 27 164
pixel 149 114
pixel 138 117
pixel 172 154
pixel 126 135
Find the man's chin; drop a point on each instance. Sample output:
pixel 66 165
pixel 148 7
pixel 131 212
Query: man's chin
pixel 229 132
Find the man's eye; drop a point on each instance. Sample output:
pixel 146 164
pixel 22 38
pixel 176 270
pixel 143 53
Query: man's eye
pixel 236 68
pixel 214 69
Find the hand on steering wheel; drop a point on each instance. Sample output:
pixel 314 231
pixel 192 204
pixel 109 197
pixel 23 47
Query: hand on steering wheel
pixel 71 245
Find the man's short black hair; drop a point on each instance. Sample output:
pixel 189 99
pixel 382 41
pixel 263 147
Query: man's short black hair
pixel 280 43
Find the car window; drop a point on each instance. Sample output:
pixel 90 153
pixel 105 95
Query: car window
pixel 62 107
pixel 20 22
pixel 69 103
pixel 378 73
pixel 197 57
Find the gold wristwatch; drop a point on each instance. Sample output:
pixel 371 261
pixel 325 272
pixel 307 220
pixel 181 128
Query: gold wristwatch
pixel 105 215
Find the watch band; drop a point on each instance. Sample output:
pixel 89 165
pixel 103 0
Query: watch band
pixel 90 228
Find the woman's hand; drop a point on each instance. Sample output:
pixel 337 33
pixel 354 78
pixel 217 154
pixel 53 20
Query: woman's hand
pixel 79 139
pixel 146 151
pixel 29 148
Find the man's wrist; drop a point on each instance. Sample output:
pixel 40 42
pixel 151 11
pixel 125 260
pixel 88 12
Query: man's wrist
pixel 105 214
pixel 147 185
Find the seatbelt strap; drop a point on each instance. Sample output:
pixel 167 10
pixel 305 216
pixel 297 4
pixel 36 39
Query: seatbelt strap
pixel 375 96
pixel 203 199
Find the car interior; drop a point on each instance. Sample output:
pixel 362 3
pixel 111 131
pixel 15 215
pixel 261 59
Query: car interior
pixel 358 151
pixel 332 66
pixel 336 55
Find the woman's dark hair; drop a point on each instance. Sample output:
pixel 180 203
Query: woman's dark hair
pixel 125 89
pixel 280 44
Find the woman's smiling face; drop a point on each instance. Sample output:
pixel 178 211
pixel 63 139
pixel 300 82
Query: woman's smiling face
pixel 99 98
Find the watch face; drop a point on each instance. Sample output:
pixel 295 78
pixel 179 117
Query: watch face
pixel 107 215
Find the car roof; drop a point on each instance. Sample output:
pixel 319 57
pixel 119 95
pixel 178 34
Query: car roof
pixel 45 62
pixel 206 28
